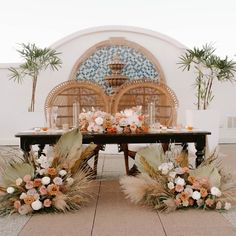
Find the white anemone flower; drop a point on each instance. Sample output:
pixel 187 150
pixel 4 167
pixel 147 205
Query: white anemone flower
pixel 46 180
pixel 62 172
pixel 215 191
pixel 180 181
pixel 36 205
pixel 10 190
pixel 99 120
pixel 227 206
pixel 196 195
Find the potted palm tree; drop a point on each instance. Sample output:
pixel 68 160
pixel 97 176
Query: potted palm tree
pixel 35 60
pixel 208 68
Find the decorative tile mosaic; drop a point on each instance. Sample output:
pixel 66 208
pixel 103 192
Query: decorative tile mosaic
pixel 95 67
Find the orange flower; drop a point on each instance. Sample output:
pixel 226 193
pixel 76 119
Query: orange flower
pixel 196 184
pixel 191 179
pixel 37 183
pixel 184 196
pixel 53 189
pixel 28 199
pixel 52 171
pixel 203 192
pixel 209 202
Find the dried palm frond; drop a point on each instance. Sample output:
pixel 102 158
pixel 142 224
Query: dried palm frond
pixel 68 145
pixel 16 170
pixel 153 154
pixel 148 168
pixel 182 158
pixel 85 155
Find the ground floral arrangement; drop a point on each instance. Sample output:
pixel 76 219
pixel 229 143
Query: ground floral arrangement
pixel 58 183
pixel 128 121
pixel 166 182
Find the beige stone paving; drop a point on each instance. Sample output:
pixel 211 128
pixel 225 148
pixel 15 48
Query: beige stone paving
pixel 109 213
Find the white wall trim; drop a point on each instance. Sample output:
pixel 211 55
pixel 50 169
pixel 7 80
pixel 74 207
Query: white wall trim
pixel 118 28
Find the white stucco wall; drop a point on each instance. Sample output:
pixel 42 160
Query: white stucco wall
pixel 15 98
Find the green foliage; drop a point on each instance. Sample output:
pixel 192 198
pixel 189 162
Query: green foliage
pixel 35 60
pixel 208 67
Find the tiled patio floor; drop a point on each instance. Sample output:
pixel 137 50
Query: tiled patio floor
pixel 109 213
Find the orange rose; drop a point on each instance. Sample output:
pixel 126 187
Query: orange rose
pixel 53 189
pixel 52 171
pixel 37 183
pixel 191 179
pixel 184 196
pixel 28 199
pixel 203 192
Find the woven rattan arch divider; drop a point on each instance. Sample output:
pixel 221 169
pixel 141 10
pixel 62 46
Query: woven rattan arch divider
pixel 140 92
pixel 88 94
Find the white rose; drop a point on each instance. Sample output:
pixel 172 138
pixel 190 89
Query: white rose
pixel 23 195
pixel 70 181
pixel 46 180
pixel 170 185
pixel 19 181
pixel 62 172
pixel 36 205
pixel 218 205
pixel 10 190
pixel 164 171
pixel 57 181
pixel 196 195
pixel 215 191
pixel 180 181
pixel 172 174
pixel 227 206
pixel 99 120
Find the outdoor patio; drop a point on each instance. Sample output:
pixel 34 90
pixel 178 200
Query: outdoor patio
pixel 109 213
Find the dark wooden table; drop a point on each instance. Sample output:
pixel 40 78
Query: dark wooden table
pixel 43 138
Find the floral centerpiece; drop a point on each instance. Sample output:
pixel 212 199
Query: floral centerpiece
pixel 127 121
pixel 58 183
pixel 168 183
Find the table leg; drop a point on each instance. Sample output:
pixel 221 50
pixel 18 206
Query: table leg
pixel 40 151
pixel 200 147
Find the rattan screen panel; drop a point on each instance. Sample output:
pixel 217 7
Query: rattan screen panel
pixel 87 94
pixel 141 93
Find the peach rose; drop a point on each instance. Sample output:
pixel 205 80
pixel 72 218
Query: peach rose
pixel 43 190
pixel 29 185
pixel 52 171
pixel 37 183
pixel 203 192
pixel 179 188
pixel 27 178
pixel 184 196
pixel 17 204
pixel 28 199
pixel 47 203
pixel 53 189
pixel 209 202
pixel 191 179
